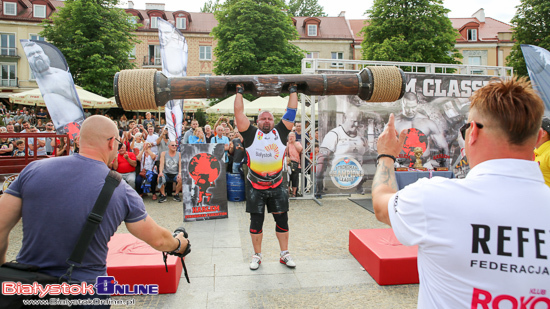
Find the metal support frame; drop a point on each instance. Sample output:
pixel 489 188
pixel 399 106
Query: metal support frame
pixel 314 66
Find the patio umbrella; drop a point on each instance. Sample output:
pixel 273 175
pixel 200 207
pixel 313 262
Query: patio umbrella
pixel 226 107
pixel 34 97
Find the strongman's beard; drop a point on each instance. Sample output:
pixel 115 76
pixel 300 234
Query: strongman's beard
pixel 266 128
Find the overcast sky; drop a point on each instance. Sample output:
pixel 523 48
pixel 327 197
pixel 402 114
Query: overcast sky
pixel 502 10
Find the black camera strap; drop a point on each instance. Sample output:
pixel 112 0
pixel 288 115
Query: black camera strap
pixel 92 223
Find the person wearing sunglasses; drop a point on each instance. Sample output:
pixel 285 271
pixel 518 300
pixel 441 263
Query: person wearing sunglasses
pixel 485 238
pixel 43 196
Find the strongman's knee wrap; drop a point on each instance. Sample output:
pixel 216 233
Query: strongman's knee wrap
pixel 281 222
pixel 256 223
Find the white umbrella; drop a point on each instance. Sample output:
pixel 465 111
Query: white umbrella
pixel 34 97
pixel 226 107
pixel 275 105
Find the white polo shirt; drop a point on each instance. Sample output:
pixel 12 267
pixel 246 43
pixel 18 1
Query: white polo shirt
pixel 483 241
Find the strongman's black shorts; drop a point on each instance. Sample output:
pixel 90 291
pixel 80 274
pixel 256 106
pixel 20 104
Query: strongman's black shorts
pixel 276 199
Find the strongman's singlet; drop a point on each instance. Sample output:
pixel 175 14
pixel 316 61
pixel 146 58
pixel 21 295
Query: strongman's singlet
pixel 265 154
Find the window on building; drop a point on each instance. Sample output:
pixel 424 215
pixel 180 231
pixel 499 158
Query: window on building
pixel 7 45
pixel 311 30
pixel 181 23
pixel 337 55
pixel 10 8
pixel 154 22
pixel 39 11
pixel 312 55
pixel 475 60
pixel 205 52
pixel 154 55
pixel 472 34
pixel 36 37
pixel 8 77
pixel 132 53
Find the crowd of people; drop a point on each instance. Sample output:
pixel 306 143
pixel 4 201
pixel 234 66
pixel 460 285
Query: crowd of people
pixel 143 141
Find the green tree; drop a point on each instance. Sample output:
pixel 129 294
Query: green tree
pixel 305 8
pixel 531 26
pixel 95 37
pixel 253 38
pixel 210 6
pixel 409 31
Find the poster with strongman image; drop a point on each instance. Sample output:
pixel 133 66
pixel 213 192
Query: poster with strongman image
pixel 173 49
pixel 204 188
pixel 56 85
pixel 432 111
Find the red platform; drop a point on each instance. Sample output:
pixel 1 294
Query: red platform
pixel 383 256
pixel 132 261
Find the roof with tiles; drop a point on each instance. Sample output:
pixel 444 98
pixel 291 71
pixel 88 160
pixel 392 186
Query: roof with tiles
pixel 487 31
pixel 25 13
pixel 356 25
pixel 333 28
pixel 199 22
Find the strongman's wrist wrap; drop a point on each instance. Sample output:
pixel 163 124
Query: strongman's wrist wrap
pixel 290 114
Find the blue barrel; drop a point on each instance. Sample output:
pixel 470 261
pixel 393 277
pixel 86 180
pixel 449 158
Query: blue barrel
pixel 235 187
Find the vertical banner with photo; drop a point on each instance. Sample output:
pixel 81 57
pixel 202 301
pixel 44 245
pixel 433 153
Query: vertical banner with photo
pixel 50 69
pixel 432 111
pixel 537 60
pixel 204 187
pixel 173 49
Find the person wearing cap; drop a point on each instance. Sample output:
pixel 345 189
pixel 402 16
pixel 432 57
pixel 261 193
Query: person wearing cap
pixel 542 150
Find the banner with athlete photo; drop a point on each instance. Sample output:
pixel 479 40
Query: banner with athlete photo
pixel 204 188
pixel 50 69
pixel 537 60
pixel 173 49
pixel 432 111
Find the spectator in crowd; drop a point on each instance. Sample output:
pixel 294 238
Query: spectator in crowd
pixel 11 129
pixel 76 144
pixel 475 234
pixel 221 139
pixel 226 132
pixel 294 155
pixel 40 143
pixel 20 150
pixel 41 114
pixel 25 126
pixel 197 137
pixel 148 120
pixel 152 139
pixel 185 138
pixel 123 122
pixel 236 149
pixel 208 133
pixel 137 143
pixel 163 141
pixel 224 122
pixel 6 147
pixel 125 163
pixel 50 140
pixel 64 147
pixel 170 171
pixel 542 150
pixel 147 180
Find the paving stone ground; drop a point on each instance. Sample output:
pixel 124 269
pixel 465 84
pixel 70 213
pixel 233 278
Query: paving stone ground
pixel 326 276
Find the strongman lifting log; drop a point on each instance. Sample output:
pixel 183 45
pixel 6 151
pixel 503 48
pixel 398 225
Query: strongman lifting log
pixel 149 89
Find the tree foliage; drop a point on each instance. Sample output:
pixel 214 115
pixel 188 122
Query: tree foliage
pixel 531 26
pixel 253 38
pixel 95 37
pixel 309 8
pixel 409 31
pixel 211 6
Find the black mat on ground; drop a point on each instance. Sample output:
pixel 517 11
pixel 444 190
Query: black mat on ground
pixel 363 202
